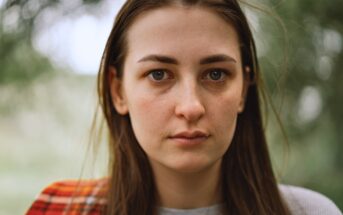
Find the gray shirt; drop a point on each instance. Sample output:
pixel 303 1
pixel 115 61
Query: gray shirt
pixel 300 201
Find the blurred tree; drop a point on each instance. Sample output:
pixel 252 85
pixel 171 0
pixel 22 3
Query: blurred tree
pixel 20 62
pixel 310 93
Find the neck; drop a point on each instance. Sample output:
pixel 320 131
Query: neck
pixel 188 190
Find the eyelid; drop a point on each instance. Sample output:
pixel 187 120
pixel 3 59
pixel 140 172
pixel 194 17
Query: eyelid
pixel 225 72
pixel 166 71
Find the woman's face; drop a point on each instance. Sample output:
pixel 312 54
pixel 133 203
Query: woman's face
pixel 182 87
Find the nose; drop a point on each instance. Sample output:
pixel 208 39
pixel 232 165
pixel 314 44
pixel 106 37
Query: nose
pixel 189 105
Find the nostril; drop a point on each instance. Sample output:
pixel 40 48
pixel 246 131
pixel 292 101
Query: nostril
pixel 190 110
pixel 189 102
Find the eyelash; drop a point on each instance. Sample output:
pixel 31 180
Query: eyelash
pixel 224 73
pixel 165 72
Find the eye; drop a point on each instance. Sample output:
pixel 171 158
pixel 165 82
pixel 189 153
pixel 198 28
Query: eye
pixel 216 74
pixel 158 75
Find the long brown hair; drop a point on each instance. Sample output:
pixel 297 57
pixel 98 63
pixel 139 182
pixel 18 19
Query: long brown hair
pixel 249 184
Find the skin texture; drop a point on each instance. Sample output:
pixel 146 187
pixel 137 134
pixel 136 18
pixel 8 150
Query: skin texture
pixel 187 99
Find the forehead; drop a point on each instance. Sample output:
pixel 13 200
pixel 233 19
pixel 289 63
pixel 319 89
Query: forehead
pixel 179 30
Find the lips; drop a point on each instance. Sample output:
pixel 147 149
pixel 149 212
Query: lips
pixel 190 134
pixel 189 138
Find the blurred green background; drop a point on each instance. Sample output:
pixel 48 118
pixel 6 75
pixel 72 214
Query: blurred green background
pixel 49 54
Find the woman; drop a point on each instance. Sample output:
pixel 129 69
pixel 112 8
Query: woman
pixel 179 88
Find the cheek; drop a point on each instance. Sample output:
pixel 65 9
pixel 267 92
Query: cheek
pixel 224 117
pixel 148 115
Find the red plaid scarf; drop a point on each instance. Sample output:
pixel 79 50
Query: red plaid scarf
pixel 71 197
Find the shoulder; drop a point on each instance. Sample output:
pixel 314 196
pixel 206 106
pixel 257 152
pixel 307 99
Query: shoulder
pixel 71 196
pixel 307 202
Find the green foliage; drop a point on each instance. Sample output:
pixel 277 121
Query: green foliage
pixel 312 48
pixel 303 62
pixel 20 62
pixel 91 1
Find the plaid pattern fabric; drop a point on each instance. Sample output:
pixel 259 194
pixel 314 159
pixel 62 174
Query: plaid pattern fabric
pixel 71 197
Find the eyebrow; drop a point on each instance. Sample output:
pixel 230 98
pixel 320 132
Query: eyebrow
pixel 207 60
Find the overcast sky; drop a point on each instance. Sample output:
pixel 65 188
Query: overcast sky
pixel 76 41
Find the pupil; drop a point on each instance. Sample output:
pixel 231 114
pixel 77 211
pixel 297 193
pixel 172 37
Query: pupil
pixel 158 75
pixel 215 75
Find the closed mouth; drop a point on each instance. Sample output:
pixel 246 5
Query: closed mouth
pixel 190 135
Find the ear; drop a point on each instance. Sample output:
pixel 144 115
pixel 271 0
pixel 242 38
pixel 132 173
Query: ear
pixel 246 83
pixel 118 99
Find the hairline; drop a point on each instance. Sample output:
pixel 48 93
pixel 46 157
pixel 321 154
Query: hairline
pixel 202 5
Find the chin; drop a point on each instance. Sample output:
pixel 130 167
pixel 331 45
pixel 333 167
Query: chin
pixel 193 165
